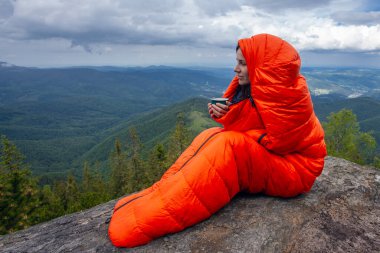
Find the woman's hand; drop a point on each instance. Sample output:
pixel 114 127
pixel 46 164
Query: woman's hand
pixel 218 110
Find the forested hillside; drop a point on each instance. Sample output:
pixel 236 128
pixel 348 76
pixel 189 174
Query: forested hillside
pixel 127 169
pixel 134 155
pixel 56 115
pixel 367 110
pixel 60 118
pixel 154 127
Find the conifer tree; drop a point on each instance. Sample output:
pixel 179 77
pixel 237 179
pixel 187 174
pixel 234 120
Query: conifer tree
pixel 157 163
pixel 93 188
pixel 99 183
pixel 59 189
pixel 18 190
pixel 119 173
pixel 376 162
pixel 86 177
pixel 72 195
pixel 179 139
pixel 88 196
pixel 136 167
pixel 50 205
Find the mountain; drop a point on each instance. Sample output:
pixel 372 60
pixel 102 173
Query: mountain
pixel 56 115
pixel 5 64
pixel 60 117
pixel 154 127
pixel 347 82
pixel 366 109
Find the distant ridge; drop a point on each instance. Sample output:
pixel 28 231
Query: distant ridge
pixel 57 115
pixel 6 64
pixel 125 69
pixel 154 127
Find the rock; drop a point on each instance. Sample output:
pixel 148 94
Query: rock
pixel 340 214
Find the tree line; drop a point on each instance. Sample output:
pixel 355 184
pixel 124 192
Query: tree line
pixel 24 203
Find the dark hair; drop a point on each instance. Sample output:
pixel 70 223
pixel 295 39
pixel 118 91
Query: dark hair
pixel 237 47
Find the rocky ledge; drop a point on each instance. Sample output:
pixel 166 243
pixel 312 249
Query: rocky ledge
pixel 340 214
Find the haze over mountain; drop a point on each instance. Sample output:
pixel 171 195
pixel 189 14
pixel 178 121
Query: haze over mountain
pixel 59 117
pixel 347 82
pixel 55 115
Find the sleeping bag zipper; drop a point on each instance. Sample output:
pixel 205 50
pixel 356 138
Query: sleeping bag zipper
pixel 195 153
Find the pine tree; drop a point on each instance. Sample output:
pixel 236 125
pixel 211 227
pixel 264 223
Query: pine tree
pixel 119 173
pixel 18 190
pixel 376 162
pixel 99 185
pixel 136 167
pixel 59 189
pixel 72 195
pixel 157 163
pixel 93 189
pixel 86 178
pixel 179 139
pixel 51 205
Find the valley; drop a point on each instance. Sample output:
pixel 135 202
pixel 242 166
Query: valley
pixel 60 118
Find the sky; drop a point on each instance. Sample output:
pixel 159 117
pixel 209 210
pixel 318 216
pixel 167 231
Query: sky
pixel 59 33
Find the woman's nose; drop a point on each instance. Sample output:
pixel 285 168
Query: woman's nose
pixel 236 69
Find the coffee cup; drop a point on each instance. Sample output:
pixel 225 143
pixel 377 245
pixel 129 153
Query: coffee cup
pixel 219 100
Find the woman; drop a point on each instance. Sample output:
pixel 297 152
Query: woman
pixel 271 142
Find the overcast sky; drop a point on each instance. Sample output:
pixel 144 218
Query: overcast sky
pixel 53 33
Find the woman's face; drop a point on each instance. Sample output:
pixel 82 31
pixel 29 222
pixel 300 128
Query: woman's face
pixel 241 68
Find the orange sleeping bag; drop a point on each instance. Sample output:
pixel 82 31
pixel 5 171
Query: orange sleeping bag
pixel 272 143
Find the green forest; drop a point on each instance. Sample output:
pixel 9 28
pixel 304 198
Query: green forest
pixel 24 201
pixel 56 115
pixel 77 137
pixel 60 118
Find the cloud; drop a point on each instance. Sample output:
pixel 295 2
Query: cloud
pixel 221 7
pixel 6 10
pixel 371 5
pixel 369 18
pixel 104 22
pixel 280 6
pixel 343 25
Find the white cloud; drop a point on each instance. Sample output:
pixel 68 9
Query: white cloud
pixel 6 10
pixel 358 18
pixel 98 26
pixel 304 31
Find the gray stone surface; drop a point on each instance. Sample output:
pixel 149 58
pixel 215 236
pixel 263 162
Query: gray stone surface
pixel 340 214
